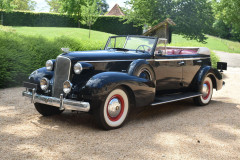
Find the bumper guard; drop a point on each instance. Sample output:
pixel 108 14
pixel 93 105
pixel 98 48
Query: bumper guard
pixel 61 102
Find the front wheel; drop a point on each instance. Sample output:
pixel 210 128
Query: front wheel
pixel 207 91
pixel 114 110
pixel 47 110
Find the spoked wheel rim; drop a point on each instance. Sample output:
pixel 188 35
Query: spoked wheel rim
pixel 115 108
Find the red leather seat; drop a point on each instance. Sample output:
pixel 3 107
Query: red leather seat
pixel 187 52
pixel 179 51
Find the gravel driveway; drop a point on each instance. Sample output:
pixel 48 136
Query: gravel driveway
pixel 233 59
pixel 171 131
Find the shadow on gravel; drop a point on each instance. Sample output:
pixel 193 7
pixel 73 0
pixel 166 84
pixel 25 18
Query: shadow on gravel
pixel 179 129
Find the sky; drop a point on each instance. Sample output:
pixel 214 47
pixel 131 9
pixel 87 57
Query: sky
pixel 42 5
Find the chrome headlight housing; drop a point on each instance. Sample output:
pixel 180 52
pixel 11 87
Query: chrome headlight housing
pixel 78 68
pixel 44 84
pixel 67 87
pixel 49 65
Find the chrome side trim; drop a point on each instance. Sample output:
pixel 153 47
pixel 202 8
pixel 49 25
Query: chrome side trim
pixel 61 103
pixel 177 59
pixel 154 104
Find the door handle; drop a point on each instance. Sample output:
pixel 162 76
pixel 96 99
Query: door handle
pixel 181 63
pixel 199 61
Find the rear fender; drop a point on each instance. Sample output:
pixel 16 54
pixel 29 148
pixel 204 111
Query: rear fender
pixel 138 63
pixel 213 73
pixel 100 85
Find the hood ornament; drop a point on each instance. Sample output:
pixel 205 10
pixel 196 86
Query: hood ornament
pixel 65 50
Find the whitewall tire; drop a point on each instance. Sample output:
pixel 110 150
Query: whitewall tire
pixel 114 110
pixel 207 91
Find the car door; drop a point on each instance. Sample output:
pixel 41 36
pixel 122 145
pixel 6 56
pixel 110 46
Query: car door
pixel 168 70
pixel 190 69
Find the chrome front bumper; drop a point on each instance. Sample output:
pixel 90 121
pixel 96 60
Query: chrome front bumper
pixel 61 102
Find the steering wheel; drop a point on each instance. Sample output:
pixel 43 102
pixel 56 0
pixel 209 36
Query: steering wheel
pixel 143 46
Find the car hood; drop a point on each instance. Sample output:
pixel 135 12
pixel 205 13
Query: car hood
pixel 105 55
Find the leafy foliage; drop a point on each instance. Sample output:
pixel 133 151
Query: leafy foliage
pixel 54 5
pixel 73 8
pixel 227 14
pixel 6 6
pixel 90 14
pixel 20 55
pixel 192 17
pixel 110 24
pixel 24 4
pixel 103 6
pixel 25 18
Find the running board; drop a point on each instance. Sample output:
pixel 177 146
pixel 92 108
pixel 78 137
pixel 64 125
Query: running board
pixel 174 97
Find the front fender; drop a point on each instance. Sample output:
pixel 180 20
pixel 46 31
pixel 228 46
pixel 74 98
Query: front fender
pixel 214 74
pixel 100 85
pixel 38 74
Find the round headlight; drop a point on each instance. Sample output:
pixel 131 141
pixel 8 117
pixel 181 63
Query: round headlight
pixel 67 87
pixel 78 68
pixel 49 65
pixel 44 84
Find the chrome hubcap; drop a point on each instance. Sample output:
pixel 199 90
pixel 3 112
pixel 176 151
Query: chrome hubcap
pixel 114 107
pixel 205 90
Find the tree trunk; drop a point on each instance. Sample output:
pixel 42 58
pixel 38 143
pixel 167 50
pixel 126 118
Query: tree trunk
pixel 2 18
pixel 89 31
pixel 78 20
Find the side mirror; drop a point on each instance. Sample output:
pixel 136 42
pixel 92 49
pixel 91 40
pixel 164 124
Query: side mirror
pixel 65 50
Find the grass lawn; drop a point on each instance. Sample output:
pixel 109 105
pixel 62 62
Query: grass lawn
pixel 213 43
pixel 54 32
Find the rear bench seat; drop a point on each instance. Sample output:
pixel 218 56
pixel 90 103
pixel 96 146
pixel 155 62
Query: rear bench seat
pixel 184 50
pixel 180 52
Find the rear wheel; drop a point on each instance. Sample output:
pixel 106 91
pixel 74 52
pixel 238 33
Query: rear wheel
pixel 207 91
pixel 144 71
pixel 47 110
pixel 114 110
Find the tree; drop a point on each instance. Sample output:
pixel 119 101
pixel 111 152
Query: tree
pixel 72 8
pixel 90 14
pixel 192 17
pixel 102 6
pixel 54 5
pixel 5 5
pixel 24 4
pixel 228 12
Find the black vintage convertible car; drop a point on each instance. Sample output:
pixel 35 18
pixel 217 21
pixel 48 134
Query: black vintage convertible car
pixel 131 71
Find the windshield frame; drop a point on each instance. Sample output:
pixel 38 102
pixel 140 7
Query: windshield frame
pixel 137 36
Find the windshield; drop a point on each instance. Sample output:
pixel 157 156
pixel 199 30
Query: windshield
pixel 138 44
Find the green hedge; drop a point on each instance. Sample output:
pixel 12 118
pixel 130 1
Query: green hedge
pixel 20 55
pixel 109 24
pixel 114 25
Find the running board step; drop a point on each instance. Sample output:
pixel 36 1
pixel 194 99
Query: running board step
pixel 174 97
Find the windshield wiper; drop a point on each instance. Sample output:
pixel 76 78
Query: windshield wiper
pixel 120 49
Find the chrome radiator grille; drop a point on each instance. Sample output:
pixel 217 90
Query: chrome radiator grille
pixel 61 74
